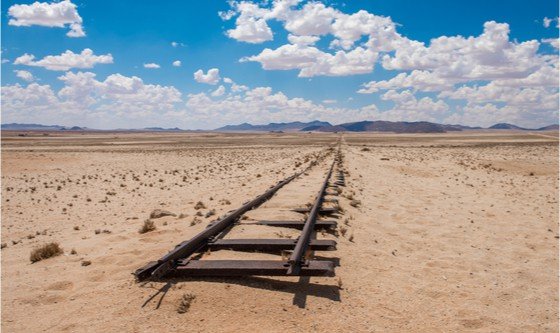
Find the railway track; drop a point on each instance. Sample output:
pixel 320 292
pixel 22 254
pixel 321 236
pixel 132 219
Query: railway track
pixel 184 260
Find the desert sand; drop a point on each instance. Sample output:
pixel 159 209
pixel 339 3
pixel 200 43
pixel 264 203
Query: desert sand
pixel 455 232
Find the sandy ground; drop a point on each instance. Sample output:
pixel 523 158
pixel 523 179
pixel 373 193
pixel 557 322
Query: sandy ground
pixel 455 232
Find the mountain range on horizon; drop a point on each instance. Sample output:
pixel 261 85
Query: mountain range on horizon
pixel 312 126
pixel 372 126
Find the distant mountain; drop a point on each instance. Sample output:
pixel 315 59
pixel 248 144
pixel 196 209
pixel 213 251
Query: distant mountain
pixel 506 126
pixel 161 129
pixel 549 128
pixel 39 127
pixel 387 126
pixel 293 126
pixel 73 128
pixel 31 127
pixel 240 127
pixel 313 126
pixel 413 127
pixel 459 127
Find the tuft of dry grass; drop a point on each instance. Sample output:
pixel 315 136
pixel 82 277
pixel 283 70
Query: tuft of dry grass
pixel 157 213
pixel 186 302
pixel 195 221
pixel 199 205
pixel 45 251
pixel 148 226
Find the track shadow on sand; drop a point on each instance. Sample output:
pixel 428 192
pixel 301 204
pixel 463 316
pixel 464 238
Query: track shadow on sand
pixel 301 289
pixel 163 291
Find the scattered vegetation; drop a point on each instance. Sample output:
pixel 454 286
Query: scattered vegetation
pixel 339 283
pixel 185 303
pixel 211 212
pixel 45 251
pixel 157 213
pixel 195 221
pixel 148 226
pixel 199 205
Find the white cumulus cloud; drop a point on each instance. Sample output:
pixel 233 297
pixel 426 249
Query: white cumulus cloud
pixel 177 63
pixel 211 77
pixel 152 65
pixel 66 61
pixel 218 92
pixel 54 14
pixel 25 75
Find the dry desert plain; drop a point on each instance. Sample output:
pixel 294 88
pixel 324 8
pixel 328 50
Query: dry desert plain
pixel 455 232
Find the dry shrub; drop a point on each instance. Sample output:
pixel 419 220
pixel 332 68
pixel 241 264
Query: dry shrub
pixel 185 303
pixel 45 251
pixel 211 212
pixel 199 205
pixel 195 221
pixel 148 226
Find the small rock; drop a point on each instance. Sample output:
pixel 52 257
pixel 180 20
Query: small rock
pixel 86 263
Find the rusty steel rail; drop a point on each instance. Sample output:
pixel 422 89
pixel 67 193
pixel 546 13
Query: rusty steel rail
pixel 296 260
pixel 180 262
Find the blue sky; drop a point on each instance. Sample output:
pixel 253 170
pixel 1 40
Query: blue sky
pixel 507 74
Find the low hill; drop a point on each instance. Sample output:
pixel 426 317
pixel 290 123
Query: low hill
pixel 31 127
pixel 549 128
pixel 506 126
pixel 292 126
